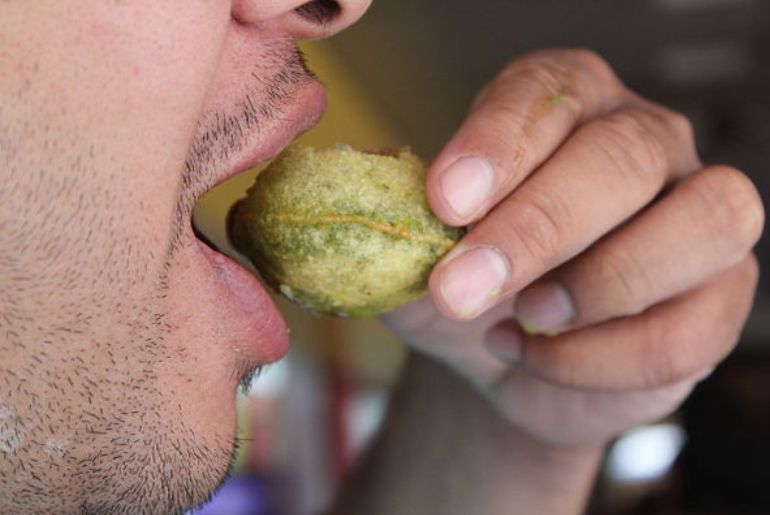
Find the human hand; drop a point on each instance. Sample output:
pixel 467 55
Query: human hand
pixel 628 262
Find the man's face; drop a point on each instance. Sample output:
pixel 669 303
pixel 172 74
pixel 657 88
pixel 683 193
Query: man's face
pixel 122 337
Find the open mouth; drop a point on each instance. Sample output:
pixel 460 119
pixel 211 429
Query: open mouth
pixel 211 214
pixel 248 305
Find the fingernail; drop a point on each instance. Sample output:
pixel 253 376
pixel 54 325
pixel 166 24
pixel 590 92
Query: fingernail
pixel 543 308
pixel 504 344
pixel 472 280
pixel 467 184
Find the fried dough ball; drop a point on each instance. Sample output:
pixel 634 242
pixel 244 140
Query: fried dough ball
pixel 342 232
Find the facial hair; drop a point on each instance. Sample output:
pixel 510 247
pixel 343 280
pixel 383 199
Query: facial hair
pixel 90 369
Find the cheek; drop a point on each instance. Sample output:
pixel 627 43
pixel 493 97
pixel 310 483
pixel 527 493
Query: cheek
pixel 113 116
pixel 120 86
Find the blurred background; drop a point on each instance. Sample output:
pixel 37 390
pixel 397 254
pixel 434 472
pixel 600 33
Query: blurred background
pixel 405 75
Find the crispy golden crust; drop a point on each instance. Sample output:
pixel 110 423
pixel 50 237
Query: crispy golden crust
pixel 342 232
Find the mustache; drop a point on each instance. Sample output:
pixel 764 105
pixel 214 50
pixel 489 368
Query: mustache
pixel 222 133
pixel 226 132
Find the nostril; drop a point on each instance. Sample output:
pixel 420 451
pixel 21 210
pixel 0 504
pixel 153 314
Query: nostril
pixel 321 12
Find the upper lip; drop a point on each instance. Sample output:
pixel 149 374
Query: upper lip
pixel 299 116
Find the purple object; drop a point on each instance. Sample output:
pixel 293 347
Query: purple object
pixel 237 496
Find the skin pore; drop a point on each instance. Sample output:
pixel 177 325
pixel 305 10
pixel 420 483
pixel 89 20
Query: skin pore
pixel 120 359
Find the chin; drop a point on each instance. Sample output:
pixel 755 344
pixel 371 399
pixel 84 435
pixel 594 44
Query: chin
pixel 176 435
pixel 219 324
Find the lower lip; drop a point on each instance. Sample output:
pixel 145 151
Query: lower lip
pixel 240 285
pixel 253 301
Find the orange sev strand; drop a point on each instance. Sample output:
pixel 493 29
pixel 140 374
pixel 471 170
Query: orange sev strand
pixel 383 227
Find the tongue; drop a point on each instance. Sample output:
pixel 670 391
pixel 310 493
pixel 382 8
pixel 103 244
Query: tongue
pixel 250 297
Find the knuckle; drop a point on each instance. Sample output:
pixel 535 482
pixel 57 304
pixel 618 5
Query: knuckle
pixel 734 204
pixel 547 74
pixel 680 125
pixel 591 61
pixel 598 69
pixel 630 146
pixel 537 224
pixel 578 77
pixel 505 126
pixel 506 138
pixel 550 73
pixel 682 131
pixel 626 277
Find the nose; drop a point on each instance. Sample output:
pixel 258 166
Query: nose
pixel 302 19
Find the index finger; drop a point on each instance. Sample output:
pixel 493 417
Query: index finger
pixel 516 123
